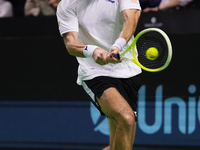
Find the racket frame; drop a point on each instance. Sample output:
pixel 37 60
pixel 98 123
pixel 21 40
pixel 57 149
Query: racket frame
pixel 133 45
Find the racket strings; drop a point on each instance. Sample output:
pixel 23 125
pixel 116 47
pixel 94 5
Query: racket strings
pixel 148 40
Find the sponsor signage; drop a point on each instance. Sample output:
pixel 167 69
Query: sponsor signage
pixel 163 120
pixel 166 121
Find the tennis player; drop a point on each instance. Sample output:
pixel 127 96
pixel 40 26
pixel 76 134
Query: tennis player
pixel 94 31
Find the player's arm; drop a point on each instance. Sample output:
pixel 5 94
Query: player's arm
pixel 161 7
pixel 73 46
pixel 170 4
pixel 76 48
pixel 130 20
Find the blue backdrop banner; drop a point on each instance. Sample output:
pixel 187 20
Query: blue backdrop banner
pixel 166 121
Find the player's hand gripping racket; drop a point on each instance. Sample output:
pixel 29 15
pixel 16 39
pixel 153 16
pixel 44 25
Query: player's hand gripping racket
pixel 154 50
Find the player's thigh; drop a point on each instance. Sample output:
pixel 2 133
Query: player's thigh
pixel 113 104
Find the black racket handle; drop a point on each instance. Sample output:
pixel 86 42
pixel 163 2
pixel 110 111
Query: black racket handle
pixel 117 56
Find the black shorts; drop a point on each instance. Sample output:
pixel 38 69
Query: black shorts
pixel 127 87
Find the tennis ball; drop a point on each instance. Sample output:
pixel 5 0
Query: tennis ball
pixel 152 53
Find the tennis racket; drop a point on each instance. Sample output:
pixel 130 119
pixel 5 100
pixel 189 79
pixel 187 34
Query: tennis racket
pixel 154 50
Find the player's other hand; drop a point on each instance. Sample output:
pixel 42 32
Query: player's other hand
pixel 100 56
pixel 110 58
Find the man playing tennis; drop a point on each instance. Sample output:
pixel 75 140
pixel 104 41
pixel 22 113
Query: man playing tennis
pixel 94 31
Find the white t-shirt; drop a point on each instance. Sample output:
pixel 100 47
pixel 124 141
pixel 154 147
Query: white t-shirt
pixel 98 22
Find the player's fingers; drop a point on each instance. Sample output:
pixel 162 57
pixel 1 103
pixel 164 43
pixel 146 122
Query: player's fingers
pixel 112 59
pixel 101 60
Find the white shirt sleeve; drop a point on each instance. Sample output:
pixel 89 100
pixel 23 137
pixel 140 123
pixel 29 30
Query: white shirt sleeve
pixel 129 4
pixel 67 19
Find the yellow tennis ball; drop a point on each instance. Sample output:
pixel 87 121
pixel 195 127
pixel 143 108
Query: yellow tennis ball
pixel 152 53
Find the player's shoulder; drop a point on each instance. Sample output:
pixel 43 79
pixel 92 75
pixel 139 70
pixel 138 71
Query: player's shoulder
pixel 66 4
